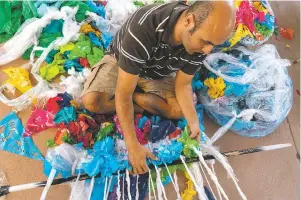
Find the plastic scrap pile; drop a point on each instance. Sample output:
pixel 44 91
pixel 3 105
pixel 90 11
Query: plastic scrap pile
pixel 249 91
pixel 69 38
pixel 255 23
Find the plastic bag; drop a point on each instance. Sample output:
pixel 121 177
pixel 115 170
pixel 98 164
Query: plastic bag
pixel 27 36
pixel 118 11
pixel 25 100
pixel 73 84
pixel 13 13
pixel 19 78
pixel 38 121
pixel 11 139
pixel 255 23
pixel 64 159
pixel 263 96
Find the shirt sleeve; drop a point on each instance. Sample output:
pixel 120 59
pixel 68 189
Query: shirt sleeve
pixel 191 69
pixel 135 45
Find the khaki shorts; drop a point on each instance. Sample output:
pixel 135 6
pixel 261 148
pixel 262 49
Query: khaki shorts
pixel 104 77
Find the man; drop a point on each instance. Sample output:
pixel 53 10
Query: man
pixel 158 49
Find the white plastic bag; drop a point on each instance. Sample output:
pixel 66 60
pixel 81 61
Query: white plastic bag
pixel 27 36
pixel 267 99
pixel 9 51
pixel 118 11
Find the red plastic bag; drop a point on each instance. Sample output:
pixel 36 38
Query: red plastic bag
pixel 38 121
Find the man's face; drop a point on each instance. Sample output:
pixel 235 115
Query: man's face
pixel 205 37
pixel 195 43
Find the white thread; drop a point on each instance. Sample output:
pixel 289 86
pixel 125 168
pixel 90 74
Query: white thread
pixel 123 188
pixel 208 181
pixel 118 186
pixel 212 176
pixel 174 185
pixel 105 189
pixel 218 156
pixel 195 170
pixel 74 188
pixel 108 189
pixel 137 188
pixel 218 191
pixel 160 186
pixel 128 181
pixel 198 189
pixel 91 187
pixel 153 187
pixel 48 184
pixel 149 188
pixel 176 179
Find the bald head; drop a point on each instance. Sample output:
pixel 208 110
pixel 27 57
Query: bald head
pixel 221 14
pixel 205 24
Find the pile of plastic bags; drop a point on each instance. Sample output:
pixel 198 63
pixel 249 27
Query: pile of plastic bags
pixel 249 91
pixel 255 23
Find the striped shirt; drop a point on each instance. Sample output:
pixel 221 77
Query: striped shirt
pixel 143 45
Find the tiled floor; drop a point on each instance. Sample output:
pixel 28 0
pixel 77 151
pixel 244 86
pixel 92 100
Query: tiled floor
pixel 262 176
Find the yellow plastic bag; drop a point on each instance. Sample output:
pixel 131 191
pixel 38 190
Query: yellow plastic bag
pixel 19 78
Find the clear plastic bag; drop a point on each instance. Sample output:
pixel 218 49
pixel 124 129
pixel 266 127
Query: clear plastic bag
pixel 74 84
pixel 118 11
pixel 267 97
pixel 65 159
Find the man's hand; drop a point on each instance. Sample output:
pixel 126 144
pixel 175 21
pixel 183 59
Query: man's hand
pixel 184 96
pixel 137 157
pixel 195 131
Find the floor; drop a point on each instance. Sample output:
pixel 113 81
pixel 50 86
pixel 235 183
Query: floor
pixel 262 176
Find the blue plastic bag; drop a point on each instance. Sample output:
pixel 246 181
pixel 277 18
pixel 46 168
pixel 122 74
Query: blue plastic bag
pixel 11 139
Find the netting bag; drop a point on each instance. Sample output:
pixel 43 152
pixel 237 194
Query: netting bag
pixel 249 91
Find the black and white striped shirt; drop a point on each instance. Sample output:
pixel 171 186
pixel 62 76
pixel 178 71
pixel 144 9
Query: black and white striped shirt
pixel 143 44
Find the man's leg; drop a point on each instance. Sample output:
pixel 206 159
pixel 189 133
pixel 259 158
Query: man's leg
pixel 99 102
pixel 98 94
pixel 155 104
pixel 103 103
pixel 159 98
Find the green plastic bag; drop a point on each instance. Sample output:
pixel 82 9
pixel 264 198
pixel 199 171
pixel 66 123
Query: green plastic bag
pixel 12 15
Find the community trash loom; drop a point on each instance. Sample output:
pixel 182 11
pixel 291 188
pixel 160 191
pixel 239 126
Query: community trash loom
pixel 246 91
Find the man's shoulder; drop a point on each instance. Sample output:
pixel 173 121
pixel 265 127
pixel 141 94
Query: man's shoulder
pixel 154 13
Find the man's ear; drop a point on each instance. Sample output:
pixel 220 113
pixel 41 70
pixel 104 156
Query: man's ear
pixel 189 22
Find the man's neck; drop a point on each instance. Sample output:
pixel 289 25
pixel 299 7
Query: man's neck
pixel 176 33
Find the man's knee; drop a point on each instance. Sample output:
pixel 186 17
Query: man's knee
pixel 96 102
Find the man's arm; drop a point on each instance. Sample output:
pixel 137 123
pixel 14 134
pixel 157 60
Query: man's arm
pixel 184 95
pixel 126 84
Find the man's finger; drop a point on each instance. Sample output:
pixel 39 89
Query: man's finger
pixel 140 170
pixel 134 170
pixel 193 135
pixel 145 168
pixel 151 156
pixel 198 137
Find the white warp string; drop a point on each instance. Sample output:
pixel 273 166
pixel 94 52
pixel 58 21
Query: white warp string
pixel 174 184
pixel 91 187
pixel 218 156
pixel 118 186
pixel 48 184
pixel 212 176
pixel 160 186
pixel 197 187
pixel 128 181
